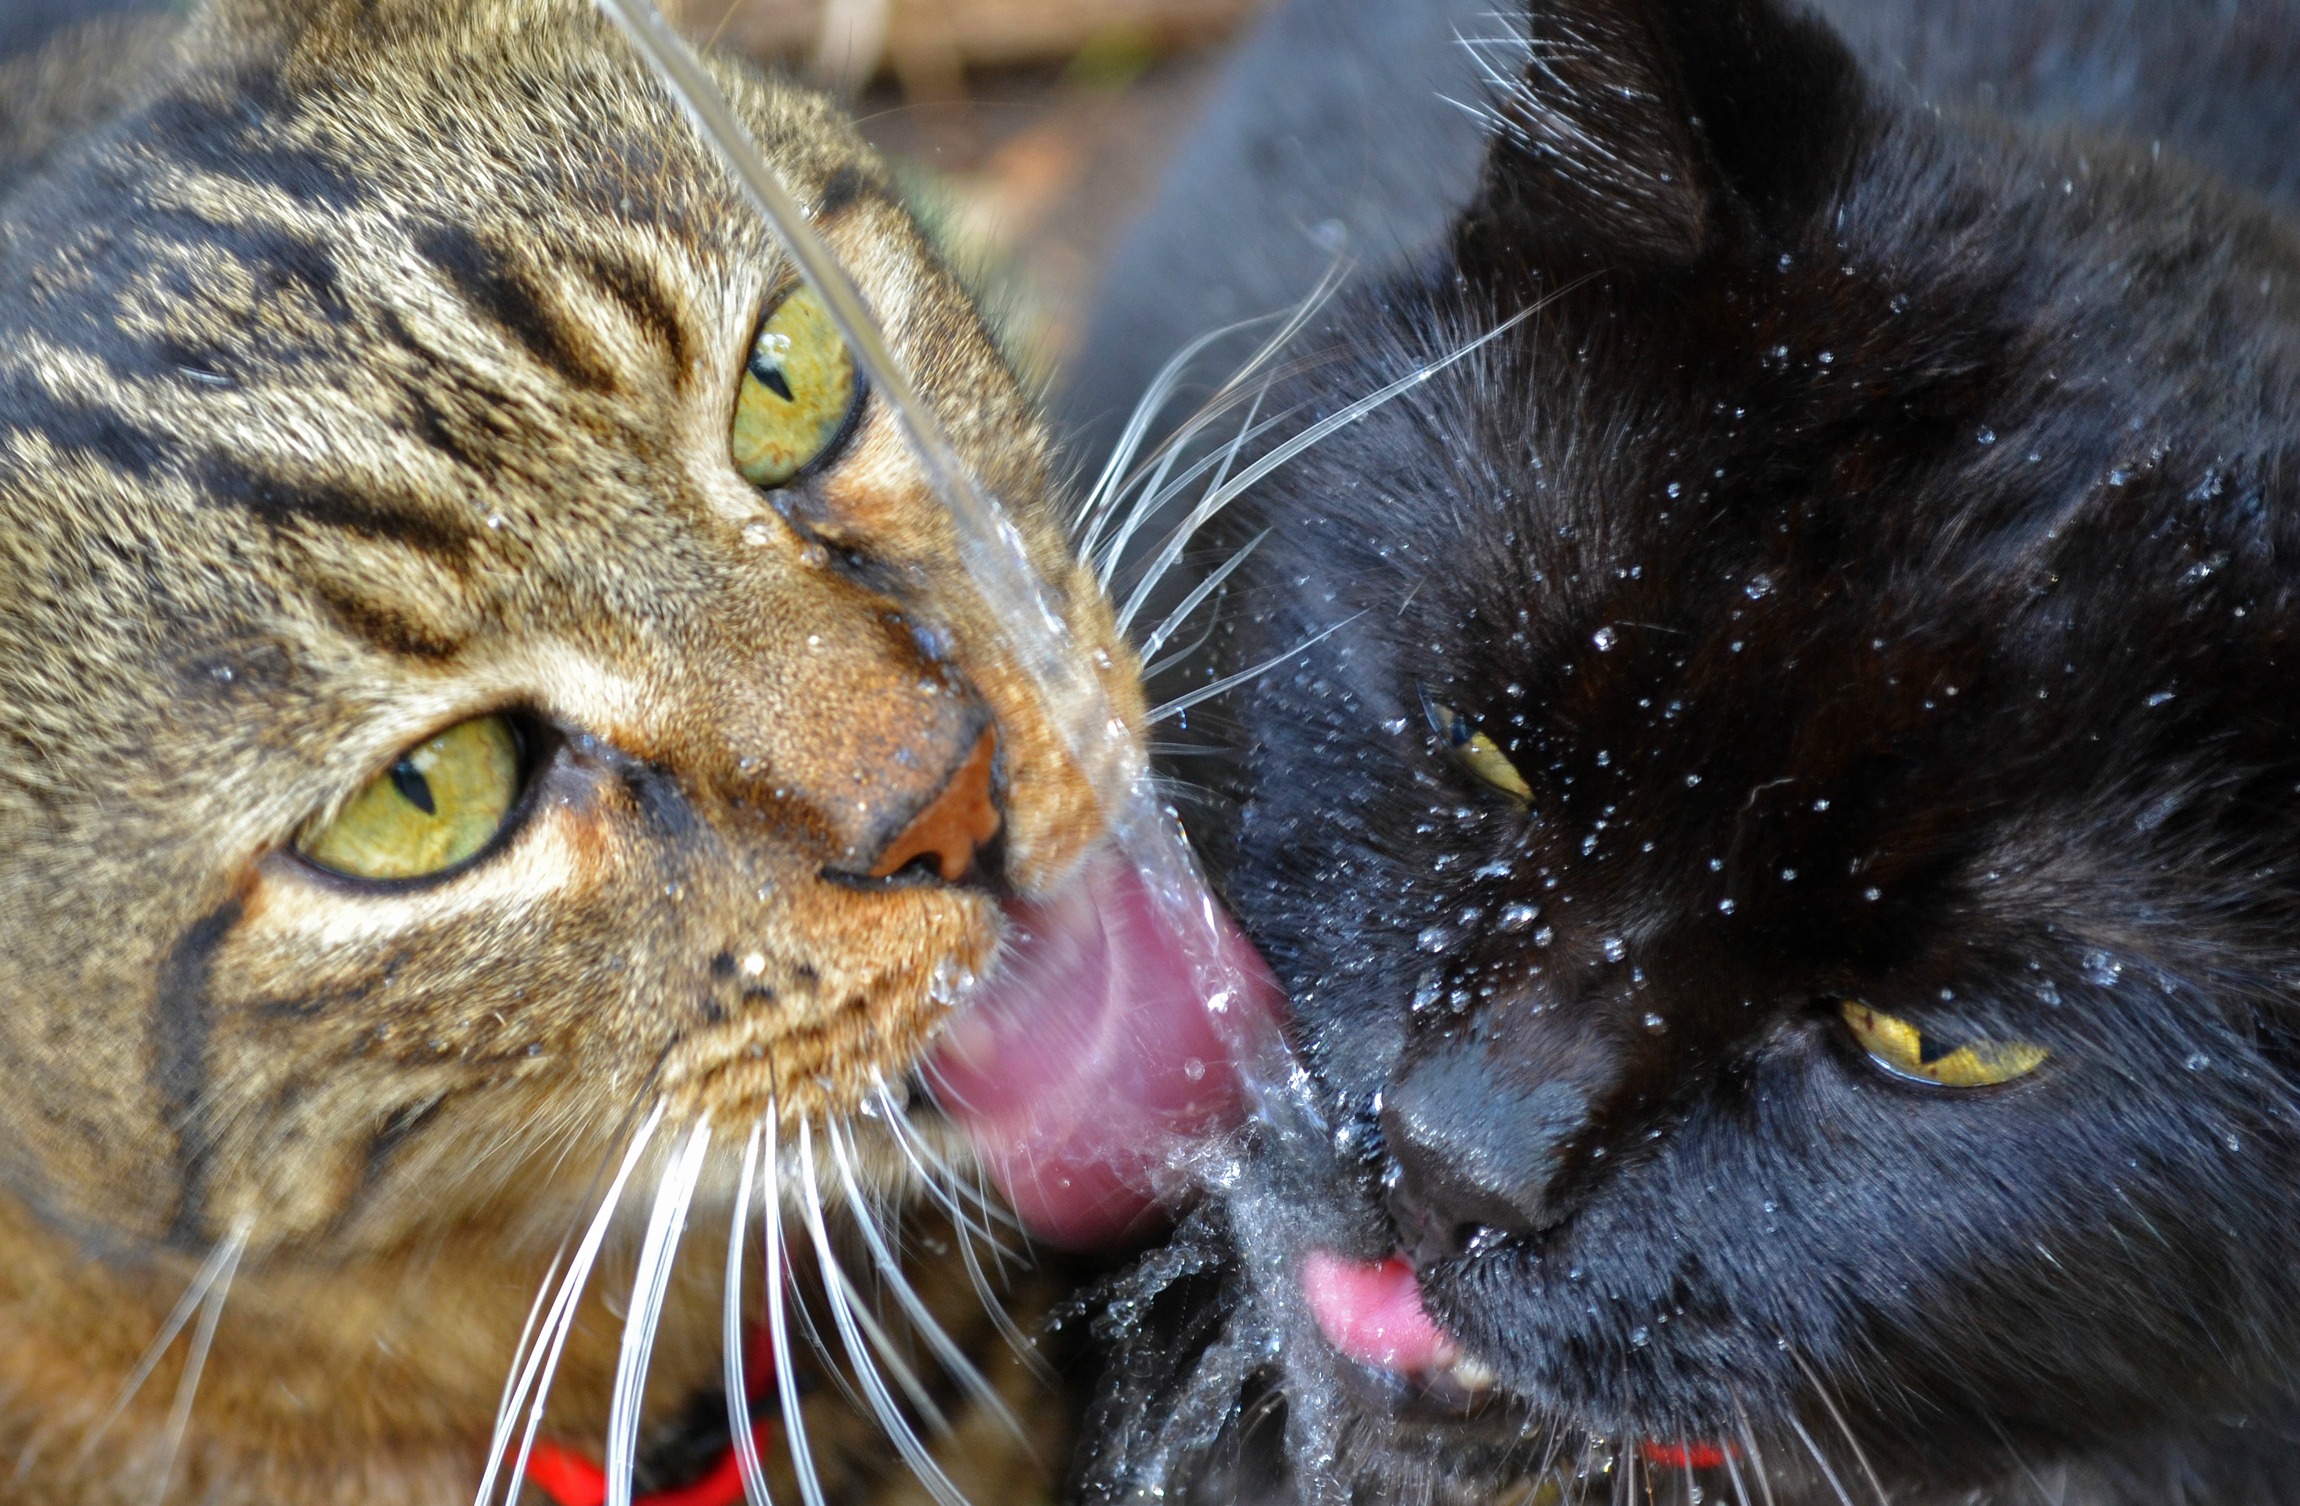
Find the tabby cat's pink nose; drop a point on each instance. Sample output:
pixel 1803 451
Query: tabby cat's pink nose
pixel 953 826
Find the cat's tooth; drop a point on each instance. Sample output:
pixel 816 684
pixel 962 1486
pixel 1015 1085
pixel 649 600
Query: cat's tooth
pixel 1472 1374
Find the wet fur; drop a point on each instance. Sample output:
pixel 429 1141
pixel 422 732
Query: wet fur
pixel 1875 545
pixel 364 367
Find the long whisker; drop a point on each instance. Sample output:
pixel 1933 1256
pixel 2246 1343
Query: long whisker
pixel 1183 703
pixel 226 1252
pixel 965 1230
pixel 1103 502
pixel 1094 510
pixel 1821 1459
pixel 1197 598
pixel 542 1363
pixel 196 1358
pixel 739 1425
pixel 650 1282
pixel 954 1360
pixel 1248 430
pixel 1756 1454
pixel 1220 497
pixel 778 1330
pixel 1843 1427
pixel 890 1416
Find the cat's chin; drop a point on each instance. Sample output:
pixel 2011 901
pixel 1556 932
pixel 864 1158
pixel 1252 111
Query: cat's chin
pixel 1090 1064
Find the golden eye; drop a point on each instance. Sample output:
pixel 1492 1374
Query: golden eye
pixel 436 807
pixel 1478 753
pixel 797 392
pixel 1905 1051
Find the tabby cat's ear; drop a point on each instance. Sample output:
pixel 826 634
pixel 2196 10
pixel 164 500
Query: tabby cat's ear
pixel 1649 128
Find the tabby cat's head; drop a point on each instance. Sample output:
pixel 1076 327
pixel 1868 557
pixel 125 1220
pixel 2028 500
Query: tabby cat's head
pixel 1777 811
pixel 476 654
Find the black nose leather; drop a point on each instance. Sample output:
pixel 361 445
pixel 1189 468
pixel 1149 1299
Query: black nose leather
pixel 1474 1147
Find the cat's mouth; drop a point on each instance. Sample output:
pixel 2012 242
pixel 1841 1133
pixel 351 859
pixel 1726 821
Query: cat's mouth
pixel 1090 1063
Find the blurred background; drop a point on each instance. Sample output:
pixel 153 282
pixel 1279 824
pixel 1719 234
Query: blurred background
pixel 1031 130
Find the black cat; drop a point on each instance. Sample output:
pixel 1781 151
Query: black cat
pixel 1778 800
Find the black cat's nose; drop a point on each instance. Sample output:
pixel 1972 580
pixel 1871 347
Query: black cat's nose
pixel 951 828
pixel 1474 1147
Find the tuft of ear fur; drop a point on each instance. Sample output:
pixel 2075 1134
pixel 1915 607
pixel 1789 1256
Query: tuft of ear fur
pixel 1648 128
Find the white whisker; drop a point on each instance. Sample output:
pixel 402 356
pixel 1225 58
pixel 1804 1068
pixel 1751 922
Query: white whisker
pixel 1107 486
pixel 1843 1427
pixel 643 1318
pixel 1197 598
pixel 235 1245
pixel 954 1360
pixel 739 1427
pixel 835 1289
pixel 1248 429
pixel 1183 703
pixel 1756 1454
pixel 542 1362
pixel 1843 1497
pixel 226 1252
pixel 1222 496
pixel 778 1330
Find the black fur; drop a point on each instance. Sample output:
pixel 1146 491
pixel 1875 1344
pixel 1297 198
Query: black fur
pixel 1877 545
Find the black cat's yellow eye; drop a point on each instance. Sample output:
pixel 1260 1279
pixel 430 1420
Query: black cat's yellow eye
pixel 436 807
pixel 1478 753
pixel 1905 1051
pixel 797 392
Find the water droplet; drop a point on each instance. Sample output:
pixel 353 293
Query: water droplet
pixel 1788 875
pixel 1759 587
pixel 2119 477
pixel 1604 638
pixel 1518 917
pixel 1433 939
pixel 1987 436
pixel 1691 780
pixel 753 964
pixel 1726 907
pixel 1614 948
pixel 1544 936
pixel 2230 1140
pixel 2197 1061
pixel 1872 894
pixel 1640 1337
pixel 1656 1024
pixel 2102 970
pixel 1194 1069
pixel 496 522
pixel 2160 698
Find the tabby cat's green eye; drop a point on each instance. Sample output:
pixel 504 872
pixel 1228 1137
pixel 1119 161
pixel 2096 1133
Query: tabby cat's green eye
pixel 1905 1051
pixel 1478 753
pixel 434 808
pixel 798 389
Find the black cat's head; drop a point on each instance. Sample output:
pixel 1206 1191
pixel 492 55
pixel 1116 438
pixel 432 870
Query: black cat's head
pixel 1778 804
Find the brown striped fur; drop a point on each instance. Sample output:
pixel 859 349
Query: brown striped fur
pixel 370 368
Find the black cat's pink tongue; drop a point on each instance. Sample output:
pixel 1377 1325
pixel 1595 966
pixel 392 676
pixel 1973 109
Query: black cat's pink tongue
pixel 1371 1312
pixel 1091 1058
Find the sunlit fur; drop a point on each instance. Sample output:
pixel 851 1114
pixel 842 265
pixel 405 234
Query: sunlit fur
pixel 1874 546
pixel 370 368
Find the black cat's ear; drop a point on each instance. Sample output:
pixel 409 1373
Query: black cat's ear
pixel 1647 128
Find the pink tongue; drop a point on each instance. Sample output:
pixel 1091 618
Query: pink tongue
pixel 1373 1313
pixel 1091 1058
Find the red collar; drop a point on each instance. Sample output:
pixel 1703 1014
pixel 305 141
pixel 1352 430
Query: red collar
pixel 571 1479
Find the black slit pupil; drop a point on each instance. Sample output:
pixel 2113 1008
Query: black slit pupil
pixel 1931 1048
pixel 413 787
pixel 771 377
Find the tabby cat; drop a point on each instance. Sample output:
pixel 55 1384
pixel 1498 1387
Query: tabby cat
pixel 483 677
pixel 1777 797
